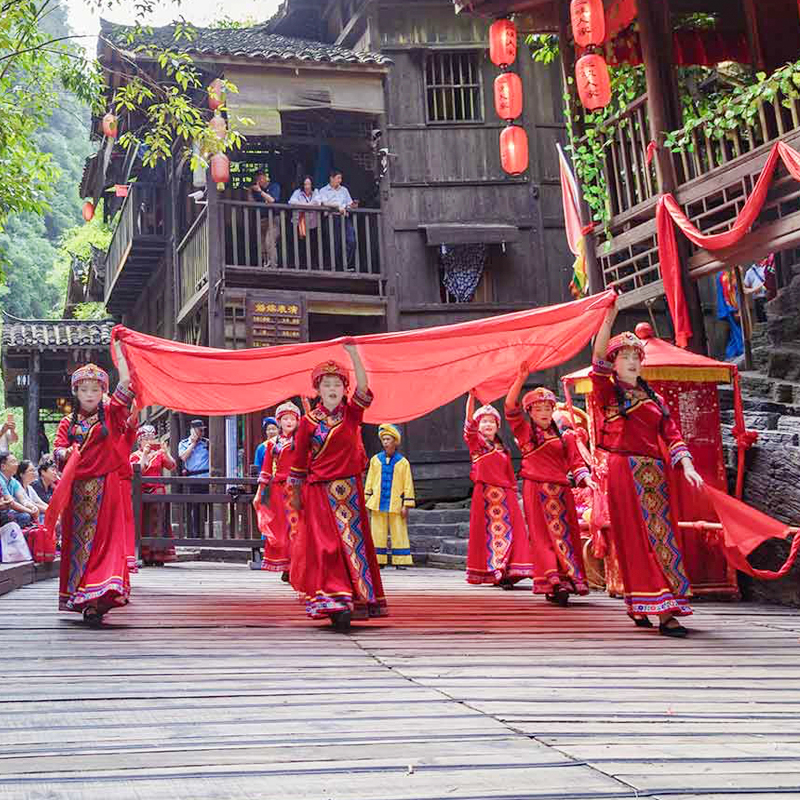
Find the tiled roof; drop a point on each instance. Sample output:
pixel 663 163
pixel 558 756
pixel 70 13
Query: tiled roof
pixel 55 334
pixel 253 42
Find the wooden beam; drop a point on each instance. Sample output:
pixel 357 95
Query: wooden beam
pixel 355 20
pixel 31 431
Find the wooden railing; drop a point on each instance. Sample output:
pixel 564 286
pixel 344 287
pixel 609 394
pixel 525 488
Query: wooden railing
pixel 775 119
pixel 141 215
pixel 193 260
pixel 624 173
pixel 196 512
pixel 271 236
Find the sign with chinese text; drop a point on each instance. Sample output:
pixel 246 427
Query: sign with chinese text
pixel 275 318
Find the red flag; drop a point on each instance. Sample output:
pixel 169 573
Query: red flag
pixel 744 529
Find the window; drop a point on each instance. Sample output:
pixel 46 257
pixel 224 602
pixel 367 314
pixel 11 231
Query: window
pixel 453 87
pixel 464 274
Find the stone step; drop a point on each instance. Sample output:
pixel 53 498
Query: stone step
pixel 767 439
pixel 455 547
pixel 447 561
pixel 458 530
pixel 438 516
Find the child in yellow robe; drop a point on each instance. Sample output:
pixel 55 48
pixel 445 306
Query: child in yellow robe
pixel 389 492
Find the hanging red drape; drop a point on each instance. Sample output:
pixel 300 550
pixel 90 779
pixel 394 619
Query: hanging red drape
pixel 410 372
pixel 744 529
pixel 668 211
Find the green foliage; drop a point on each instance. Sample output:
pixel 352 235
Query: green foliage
pixel 739 108
pixel 544 47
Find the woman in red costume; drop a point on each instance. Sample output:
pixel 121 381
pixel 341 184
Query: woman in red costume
pixel 336 571
pixel 278 457
pixel 547 456
pixel 94 569
pixel 636 431
pixel 498 551
pixel 153 458
pixel 126 444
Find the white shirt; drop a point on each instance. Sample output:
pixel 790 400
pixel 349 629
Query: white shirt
pixel 5 442
pixel 299 197
pixel 755 276
pixel 328 196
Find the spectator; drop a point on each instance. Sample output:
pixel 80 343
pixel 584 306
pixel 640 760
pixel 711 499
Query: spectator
pixel 26 475
pixel 269 431
pixel 755 287
pixel 45 485
pixel 44 442
pixel 337 196
pixel 21 513
pixel 194 454
pixel 269 192
pixel 8 434
pixel 305 221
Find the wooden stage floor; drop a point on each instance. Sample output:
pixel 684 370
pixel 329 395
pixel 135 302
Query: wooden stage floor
pixel 213 685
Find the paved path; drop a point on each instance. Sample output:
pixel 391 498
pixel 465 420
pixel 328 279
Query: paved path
pixel 212 685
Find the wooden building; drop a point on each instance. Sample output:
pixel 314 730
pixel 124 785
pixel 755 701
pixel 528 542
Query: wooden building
pixel 398 96
pixel 710 178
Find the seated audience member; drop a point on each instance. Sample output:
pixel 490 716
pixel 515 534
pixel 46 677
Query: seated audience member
pixel 337 196
pixel 21 513
pixel 26 475
pixel 8 434
pixel 45 484
pixel 266 191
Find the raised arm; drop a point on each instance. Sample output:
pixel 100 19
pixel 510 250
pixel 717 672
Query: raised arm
pixel 362 385
pixel 470 406
pixel 604 334
pixel 512 398
pixel 122 366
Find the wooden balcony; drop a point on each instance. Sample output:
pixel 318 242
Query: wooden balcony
pixel 136 247
pixel 281 246
pixel 715 178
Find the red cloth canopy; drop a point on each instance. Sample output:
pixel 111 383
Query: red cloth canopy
pixel 410 372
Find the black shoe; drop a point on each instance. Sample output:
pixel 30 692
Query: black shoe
pixel 507 584
pixel 285 576
pixel 676 631
pixel 399 566
pixel 341 621
pixel 92 617
pixel 641 622
pixel 559 596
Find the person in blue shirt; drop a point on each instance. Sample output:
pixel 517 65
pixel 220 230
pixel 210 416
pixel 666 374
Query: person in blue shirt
pixel 194 455
pixel 269 430
pixel 12 490
pixel 266 191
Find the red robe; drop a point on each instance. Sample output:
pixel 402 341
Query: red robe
pixel 498 541
pixel 127 441
pixel 549 503
pixel 279 456
pixel 153 514
pixel 334 564
pixel 643 530
pixel 94 568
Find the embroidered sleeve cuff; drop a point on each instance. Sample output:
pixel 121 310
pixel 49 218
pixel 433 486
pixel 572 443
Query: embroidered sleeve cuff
pixel 60 455
pixel 264 478
pixel 677 452
pixel 125 396
pixel 601 367
pixel 363 399
pixel 580 475
pixel 409 502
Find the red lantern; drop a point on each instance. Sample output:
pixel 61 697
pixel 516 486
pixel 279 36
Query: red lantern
pixel 508 95
pixel 594 85
pixel 216 94
pixel 88 211
pixel 588 22
pixel 110 126
pixel 220 170
pixel 218 125
pixel 514 150
pixel 502 42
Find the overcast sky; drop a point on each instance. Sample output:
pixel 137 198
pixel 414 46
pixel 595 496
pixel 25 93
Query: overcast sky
pixel 85 20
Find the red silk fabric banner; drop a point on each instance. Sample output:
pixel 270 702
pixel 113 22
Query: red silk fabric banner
pixel 744 529
pixel 668 211
pixel 62 494
pixel 410 372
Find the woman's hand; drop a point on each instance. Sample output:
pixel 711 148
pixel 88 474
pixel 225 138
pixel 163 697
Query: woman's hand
pixel 691 474
pixel 590 484
pixel 524 370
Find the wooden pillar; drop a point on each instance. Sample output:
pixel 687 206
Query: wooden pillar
pixel 30 438
pixel 573 109
pixel 664 114
pixel 216 314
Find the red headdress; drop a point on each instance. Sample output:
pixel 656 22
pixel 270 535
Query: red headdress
pixel 90 372
pixel 329 368
pixel 538 395
pixel 287 408
pixel 626 339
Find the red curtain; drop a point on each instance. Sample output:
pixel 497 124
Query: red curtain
pixel 744 529
pixel 668 211
pixel 410 372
